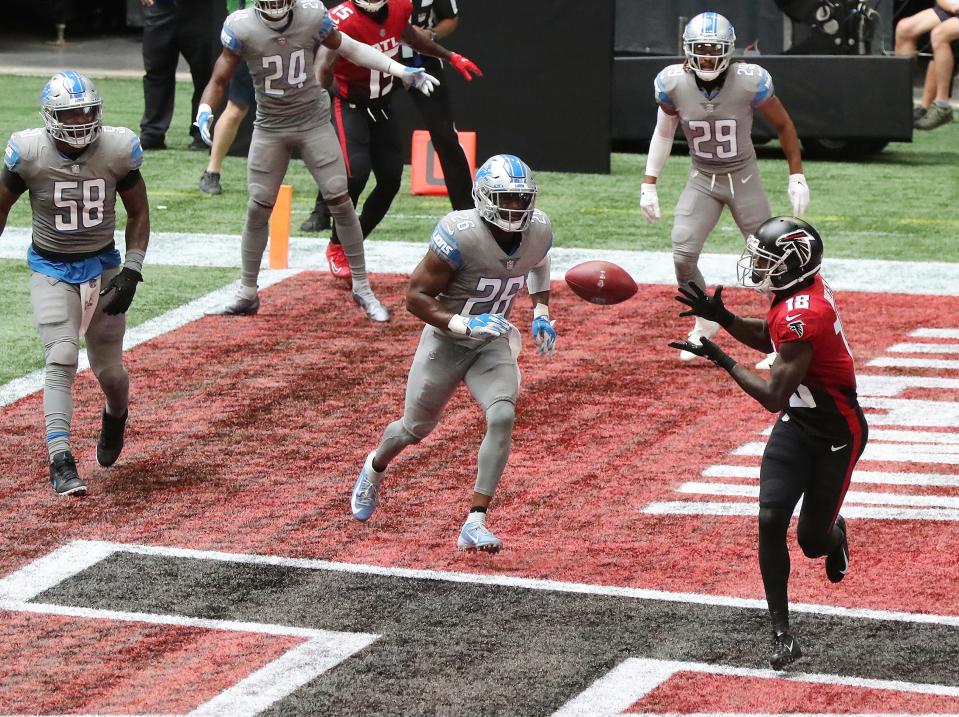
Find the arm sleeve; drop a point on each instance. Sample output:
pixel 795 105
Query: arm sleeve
pixel 538 278
pixel 130 180
pixel 366 56
pixel 661 144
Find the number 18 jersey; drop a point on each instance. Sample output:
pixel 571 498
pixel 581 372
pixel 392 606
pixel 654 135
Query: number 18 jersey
pixel 717 125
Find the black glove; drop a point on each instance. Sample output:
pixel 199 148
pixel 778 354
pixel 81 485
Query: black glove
pixel 701 304
pixel 124 286
pixel 707 349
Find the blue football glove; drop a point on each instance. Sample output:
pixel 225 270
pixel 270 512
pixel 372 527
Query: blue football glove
pixel 544 335
pixel 418 77
pixel 487 326
pixel 204 122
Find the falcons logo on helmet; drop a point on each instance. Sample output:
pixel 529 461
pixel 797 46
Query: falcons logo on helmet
pixel 800 242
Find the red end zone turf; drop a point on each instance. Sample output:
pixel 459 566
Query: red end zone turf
pixel 246 435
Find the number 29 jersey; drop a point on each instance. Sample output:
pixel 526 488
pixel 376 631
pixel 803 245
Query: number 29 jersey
pixel 825 403
pixel 717 126
pixel 486 279
pixel 288 95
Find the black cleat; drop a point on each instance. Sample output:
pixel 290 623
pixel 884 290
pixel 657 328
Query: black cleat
pixel 210 183
pixel 238 307
pixel 111 438
pixel 316 222
pixel 837 562
pixel 785 650
pixel 64 477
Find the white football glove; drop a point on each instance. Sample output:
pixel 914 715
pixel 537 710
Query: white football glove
pixel 649 203
pixel 420 79
pixel 204 121
pixel 798 194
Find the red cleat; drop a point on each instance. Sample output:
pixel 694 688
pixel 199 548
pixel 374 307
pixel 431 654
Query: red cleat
pixel 339 265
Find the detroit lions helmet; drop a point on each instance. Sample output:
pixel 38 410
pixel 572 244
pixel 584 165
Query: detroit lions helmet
pixel 708 43
pixel 67 97
pixel 783 252
pixel 273 9
pixel 505 192
pixel 370 6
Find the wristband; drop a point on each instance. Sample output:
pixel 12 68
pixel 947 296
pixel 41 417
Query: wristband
pixel 457 325
pixel 134 260
pixel 726 361
pixel 541 310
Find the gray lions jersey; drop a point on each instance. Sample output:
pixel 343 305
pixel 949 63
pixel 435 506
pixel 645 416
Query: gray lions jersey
pixel 485 278
pixel 288 95
pixel 73 200
pixel 717 125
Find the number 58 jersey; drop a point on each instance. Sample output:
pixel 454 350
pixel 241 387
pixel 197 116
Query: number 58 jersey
pixel 486 279
pixel 73 200
pixel 717 125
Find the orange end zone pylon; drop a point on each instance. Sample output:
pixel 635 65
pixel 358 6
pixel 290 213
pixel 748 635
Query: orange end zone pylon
pixel 280 228
pixel 426 174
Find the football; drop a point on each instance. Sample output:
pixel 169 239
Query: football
pixel 600 282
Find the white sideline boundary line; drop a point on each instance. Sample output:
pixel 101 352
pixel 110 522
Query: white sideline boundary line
pixel 16 584
pixel 634 678
pixel 320 650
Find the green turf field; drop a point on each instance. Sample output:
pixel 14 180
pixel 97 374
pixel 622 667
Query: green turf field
pixel 898 206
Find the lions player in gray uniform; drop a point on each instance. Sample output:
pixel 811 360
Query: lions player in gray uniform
pixel 715 99
pixel 279 40
pixel 478 260
pixel 73 168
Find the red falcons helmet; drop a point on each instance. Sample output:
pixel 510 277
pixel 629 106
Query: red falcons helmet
pixel 782 252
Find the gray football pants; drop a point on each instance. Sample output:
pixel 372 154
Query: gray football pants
pixel 700 205
pixel 269 158
pixel 439 366
pixel 57 314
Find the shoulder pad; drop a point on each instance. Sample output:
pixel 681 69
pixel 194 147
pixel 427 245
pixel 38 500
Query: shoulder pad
pixel 665 83
pixel 444 244
pixel 755 80
pixel 11 155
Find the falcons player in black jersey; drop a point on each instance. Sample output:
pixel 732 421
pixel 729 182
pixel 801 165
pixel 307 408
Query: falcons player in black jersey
pixel 821 432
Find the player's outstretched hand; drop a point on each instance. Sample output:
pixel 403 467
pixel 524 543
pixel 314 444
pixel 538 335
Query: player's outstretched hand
pixel 123 286
pixel 649 203
pixel 798 194
pixel 544 335
pixel 465 66
pixel 708 307
pixel 420 79
pixel 204 123
pixel 487 326
pixel 707 349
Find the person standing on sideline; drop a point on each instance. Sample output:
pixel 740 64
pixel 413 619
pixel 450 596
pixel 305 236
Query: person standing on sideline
pixel 714 99
pixel 362 111
pixel 463 290
pixel 439 18
pixel 279 41
pixel 172 28
pixel 240 98
pixel 821 431
pixel 73 168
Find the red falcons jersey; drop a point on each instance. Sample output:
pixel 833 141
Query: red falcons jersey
pixel 360 85
pixel 825 402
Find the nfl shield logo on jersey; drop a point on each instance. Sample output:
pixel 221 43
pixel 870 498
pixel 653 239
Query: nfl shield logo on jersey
pixel 510 263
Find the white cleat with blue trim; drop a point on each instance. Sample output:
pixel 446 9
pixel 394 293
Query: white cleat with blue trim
pixel 476 536
pixel 366 492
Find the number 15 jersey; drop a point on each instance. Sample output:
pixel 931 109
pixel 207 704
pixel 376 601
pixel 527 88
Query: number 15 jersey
pixel 717 125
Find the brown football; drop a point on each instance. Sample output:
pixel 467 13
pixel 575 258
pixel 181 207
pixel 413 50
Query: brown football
pixel 600 282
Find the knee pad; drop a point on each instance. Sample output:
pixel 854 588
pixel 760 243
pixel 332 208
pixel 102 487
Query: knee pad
pixel 686 265
pixel 334 188
pixel 501 416
pixel 812 540
pixel 258 213
pixel 63 353
pixel 773 521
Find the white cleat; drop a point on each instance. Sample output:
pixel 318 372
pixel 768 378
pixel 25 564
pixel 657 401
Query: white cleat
pixel 703 328
pixel 475 536
pixel 366 491
pixel 367 301
pixel 767 362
